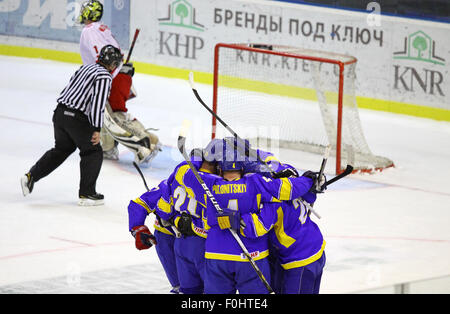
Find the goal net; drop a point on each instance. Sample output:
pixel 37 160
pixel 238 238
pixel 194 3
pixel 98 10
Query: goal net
pixel 292 98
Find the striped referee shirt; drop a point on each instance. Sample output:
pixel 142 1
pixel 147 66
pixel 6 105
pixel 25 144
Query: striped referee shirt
pixel 88 91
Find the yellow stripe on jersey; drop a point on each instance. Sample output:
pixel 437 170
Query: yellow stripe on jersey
pixel 270 158
pixel 258 200
pixel 202 233
pixel 143 204
pixel 205 170
pixel 164 206
pixel 285 189
pixel 163 230
pixel 237 258
pixel 179 177
pixel 205 223
pixel 305 261
pixel 176 221
pixel 282 237
pixel 260 229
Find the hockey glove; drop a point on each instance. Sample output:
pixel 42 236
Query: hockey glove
pixel 318 183
pixel 286 173
pixel 165 223
pixel 144 238
pixel 127 69
pixel 185 224
pixel 229 219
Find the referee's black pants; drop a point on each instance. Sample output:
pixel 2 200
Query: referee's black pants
pixel 72 130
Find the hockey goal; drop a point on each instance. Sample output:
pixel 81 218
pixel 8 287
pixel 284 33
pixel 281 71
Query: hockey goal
pixel 296 98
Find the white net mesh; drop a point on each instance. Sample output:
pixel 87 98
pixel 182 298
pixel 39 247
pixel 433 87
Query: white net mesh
pixel 289 97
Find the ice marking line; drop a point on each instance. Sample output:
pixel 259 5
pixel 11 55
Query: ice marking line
pixel 81 246
pixel 419 189
pixel 71 241
pixel 25 121
pixel 120 166
pixel 388 238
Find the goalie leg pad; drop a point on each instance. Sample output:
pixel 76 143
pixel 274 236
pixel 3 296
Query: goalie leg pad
pixel 132 135
pixel 106 140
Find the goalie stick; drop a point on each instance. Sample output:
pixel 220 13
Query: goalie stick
pixel 181 147
pixel 136 35
pixel 174 229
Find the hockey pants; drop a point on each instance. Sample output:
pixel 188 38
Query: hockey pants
pixel 72 130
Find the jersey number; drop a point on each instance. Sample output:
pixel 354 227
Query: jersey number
pixel 180 195
pixel 303 211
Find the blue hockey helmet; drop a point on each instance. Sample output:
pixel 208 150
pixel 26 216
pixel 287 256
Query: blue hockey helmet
pixel 213 150
pixel 231 158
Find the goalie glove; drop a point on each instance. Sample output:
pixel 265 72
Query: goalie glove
pixel 318 183
pixel 128 69
pixel 144 238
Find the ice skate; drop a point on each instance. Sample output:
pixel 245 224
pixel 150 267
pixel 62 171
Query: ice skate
pixel 27 184
pixel 112 154
pixel 91 200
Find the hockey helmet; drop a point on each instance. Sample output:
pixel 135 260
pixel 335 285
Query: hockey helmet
pixel 231 158
pixel 213 151
pixel 91 11
pixel 110 56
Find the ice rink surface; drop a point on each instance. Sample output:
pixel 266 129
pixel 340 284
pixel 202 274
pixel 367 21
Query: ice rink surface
pixel 381 229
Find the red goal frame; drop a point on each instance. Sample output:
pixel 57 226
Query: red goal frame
pixel 340 64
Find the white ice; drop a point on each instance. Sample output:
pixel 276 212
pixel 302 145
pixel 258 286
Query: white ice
pixel 381 229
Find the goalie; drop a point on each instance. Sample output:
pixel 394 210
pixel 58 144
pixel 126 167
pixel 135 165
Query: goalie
pixel 119 126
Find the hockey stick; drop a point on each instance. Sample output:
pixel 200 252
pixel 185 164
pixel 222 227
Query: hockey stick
pixel 136 34
pixel 322 167
pixel 249 151
pixel 141 174
pixel 318 187
pixel 191 81
pixel 175 230
pixel 346 172
pixel 181 147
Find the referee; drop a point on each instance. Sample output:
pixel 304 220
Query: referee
pixel 77 121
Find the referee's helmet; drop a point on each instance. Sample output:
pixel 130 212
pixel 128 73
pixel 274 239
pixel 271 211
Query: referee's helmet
pixel 110 56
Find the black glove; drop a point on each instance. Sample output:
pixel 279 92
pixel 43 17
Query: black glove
pixel 286 173
pixel 185 225
pixel 128 69
pixel 318 183
pixel 165 223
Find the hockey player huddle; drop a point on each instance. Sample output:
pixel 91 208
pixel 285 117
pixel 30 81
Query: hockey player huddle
pixel 267 210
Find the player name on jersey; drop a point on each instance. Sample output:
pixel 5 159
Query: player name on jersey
pixel 229 188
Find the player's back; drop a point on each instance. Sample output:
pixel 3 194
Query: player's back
pixel 94 37
pixel 297 239
pixel 244 195
pixel 239 195
pixel 185 199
